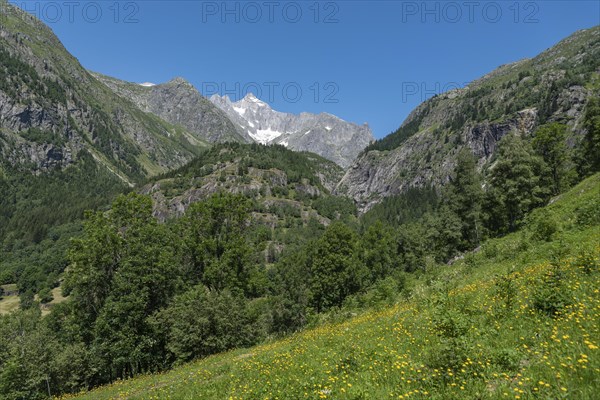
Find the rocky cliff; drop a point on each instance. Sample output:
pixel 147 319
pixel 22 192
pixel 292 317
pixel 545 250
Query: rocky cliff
pixel 281 182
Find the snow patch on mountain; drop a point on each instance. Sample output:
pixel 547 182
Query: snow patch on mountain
pixel 265 136
pixel 239 110
pixel 253 99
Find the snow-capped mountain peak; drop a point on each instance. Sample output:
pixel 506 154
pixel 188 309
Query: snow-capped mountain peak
pixel 323 134
pixel 250 98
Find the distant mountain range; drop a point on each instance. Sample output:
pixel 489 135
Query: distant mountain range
pixel 248 120
pixel 323 134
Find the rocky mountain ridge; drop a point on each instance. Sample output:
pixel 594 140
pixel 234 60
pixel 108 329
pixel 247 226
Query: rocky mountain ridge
pixel 323 134
pixel 284 185
pixel 52 111
pixel 179 102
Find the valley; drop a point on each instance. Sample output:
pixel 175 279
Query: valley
pixel 159 244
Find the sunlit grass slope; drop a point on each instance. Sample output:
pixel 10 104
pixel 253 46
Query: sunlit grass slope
pixel 518 319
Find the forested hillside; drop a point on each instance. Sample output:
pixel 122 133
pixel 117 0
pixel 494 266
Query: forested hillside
pixel 286 193
pixel 517 318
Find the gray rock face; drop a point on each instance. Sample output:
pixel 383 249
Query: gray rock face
pixel 41 157
pixel 179 102
pixel 323 134
pixel 422 160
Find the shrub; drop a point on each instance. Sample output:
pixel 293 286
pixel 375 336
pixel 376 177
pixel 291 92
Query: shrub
pixel 45 296
pixel 543 225
pixel 490 249
pixel 507 359
pixel 589 214
pixel 471 261
pixel 201 322
pixel 506 290
pixel 587 261
pixel 384 292
pixel 550 295
pixel 449 354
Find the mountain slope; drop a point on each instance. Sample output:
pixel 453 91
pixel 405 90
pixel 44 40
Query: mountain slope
pixel 179 103
pixel 554 86
pixel 476 329
pixel 323 134
pixel 288 192
pixel 47 93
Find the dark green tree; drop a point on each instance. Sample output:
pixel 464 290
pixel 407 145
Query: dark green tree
pixel 413 246
pixel 516 184
pixel 26 300
pixel 588 152
pixel 378 251
pixel 45 296
pixel 122 270
pixel 443 233
pixel 201 322
pixel 26 356
pixel 464 197
pixel 335 270
pixel 94 259
pixel 291 290
pixel 215 249
pixel 550 143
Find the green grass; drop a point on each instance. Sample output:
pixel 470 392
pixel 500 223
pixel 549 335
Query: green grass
pixel 457 335
pixel 10 287
pixel 9 304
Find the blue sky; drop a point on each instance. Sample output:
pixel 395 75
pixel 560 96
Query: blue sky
pixel 365 61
